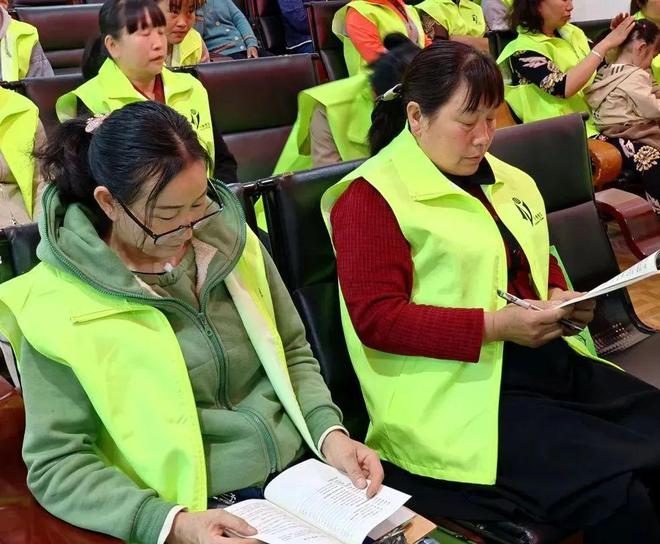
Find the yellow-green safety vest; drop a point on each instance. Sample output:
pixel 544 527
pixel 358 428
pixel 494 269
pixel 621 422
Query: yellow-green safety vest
pixel 348 104
pixel 19 119
pixel 111 90
pixel 655 65
pixel 16 50
pixel 529 101
pixel 189 51
pixel 387 21
pixel 439 418
pixel 72 323
pixel 464 19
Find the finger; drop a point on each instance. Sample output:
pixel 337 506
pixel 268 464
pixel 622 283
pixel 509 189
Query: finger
pixel 376 474
pixel 354 471
pixel 234 524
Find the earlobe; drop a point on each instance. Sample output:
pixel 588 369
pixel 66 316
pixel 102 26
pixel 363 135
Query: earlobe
pixel 111 46
pixel 414 115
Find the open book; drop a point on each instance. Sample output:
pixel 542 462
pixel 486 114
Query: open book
pixel 643 269
pixel 314 503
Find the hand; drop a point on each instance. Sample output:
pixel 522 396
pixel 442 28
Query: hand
pixel 209 527
pixel 582 313
pixel 359 462
pixel 619 34
pixel 617 20
pixel 252 53
pixel 531 328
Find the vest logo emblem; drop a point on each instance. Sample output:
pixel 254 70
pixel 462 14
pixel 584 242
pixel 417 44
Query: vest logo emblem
pixel 194 118
pixel 533 218
pixel 475 19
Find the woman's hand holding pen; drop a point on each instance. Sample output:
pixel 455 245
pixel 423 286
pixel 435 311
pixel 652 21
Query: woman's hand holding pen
pixel 582 313
pixel 531 328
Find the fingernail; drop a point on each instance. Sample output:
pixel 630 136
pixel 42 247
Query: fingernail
pixel 361 483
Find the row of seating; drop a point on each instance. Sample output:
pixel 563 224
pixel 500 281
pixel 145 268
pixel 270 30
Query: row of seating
pixel 255 118
pixel 302 252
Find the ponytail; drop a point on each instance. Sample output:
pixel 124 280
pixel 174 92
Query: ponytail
pixel 387 120
pixel 63 162
pixel 637 5
pixel 94 56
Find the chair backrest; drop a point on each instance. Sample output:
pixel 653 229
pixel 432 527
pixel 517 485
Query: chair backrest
pixel 35 3
pixel 254 104
pixel 326 44
pixel 63 32
pixel 21 242
pixel 499 39
pixel 303 254
pixel 267 20
pixel 44 92
pixel 595 30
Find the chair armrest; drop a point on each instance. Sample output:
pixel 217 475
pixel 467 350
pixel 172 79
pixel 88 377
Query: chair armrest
pixel 606 161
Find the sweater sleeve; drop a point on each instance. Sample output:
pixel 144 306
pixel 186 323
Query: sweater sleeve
pixel 538 69
pixel 39 63
pixel 242 24
pixel 313 395
pixel 65 473
pixel 374 267
pixel 645 102
pixel 556 279
pixel 364 35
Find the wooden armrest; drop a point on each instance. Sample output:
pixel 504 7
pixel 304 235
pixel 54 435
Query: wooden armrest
pixel 504 117
pixel 606 161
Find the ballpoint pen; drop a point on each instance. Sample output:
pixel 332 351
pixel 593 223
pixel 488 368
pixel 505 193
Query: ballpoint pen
pixel 524 304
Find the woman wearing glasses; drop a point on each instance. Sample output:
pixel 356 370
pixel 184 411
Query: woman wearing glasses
pixel 164 368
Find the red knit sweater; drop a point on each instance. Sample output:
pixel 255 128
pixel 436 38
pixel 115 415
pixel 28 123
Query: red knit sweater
pixel 375 272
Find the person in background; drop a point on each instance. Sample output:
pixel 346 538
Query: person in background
pixel 625 101
pixel 173 376
pixel 21 54
pixel 334 118
pixel 457 20
pixel 20 181
pixel 496 13
pixel 648 9
pixel 461 387
pixel 296 26
pixel 185 46
pixel 551 61
pixel 226 31
pixel 125 64
pixel 362 25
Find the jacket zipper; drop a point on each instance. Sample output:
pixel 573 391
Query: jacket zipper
pixel 264 430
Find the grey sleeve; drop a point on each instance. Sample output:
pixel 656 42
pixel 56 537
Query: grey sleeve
pixel 312 393
pixel 39 63
pixel 65 474
pixel 496 14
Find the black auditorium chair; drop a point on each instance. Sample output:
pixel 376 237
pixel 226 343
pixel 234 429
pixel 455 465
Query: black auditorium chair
pixel 254 105
pixel 326 44
pixel 266 19
pixel 302 251
pixel 44 92
pixel 579 235
pixel 63 32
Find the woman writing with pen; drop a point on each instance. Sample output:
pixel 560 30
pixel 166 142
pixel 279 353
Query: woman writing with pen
pixel 479 409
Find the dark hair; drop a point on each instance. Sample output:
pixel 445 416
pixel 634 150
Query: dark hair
pixel 144 141
pixel 115 16
pixel 644 30
pixel 431 79
pixel 389 68
pixel 176 5
pixel 526 14
pixel 637 5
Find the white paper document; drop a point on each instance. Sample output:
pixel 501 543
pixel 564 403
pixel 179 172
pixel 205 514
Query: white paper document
pixel 642 270
pixel 315 503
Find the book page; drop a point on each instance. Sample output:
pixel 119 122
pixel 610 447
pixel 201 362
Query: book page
pixel 643 269
pixel 325 498
pixel 275 526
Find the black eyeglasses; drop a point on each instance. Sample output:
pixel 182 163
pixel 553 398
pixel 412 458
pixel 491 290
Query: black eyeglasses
pixel 217 205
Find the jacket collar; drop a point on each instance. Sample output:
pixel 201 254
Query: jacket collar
pixel 423 179
pixel 12 103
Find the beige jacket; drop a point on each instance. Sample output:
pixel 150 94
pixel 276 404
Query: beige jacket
pixel 625 100
pixel 12 207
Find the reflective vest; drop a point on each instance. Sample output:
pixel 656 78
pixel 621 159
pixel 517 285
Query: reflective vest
pixel 16 50
pixel 655 65
pixel 464 19
pixel 387 21
pixel 19 119
pixel 529 101
pixel 111 90
pixel 439 418
pixel 189 51
pixel 140 388
pixel 348 104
